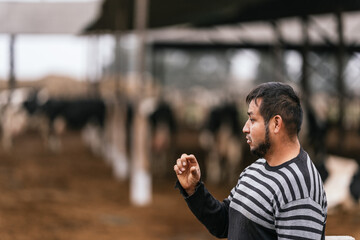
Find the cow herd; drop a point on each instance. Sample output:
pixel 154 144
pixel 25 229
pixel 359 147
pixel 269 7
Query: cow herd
pixel 107 127
pixel 30 109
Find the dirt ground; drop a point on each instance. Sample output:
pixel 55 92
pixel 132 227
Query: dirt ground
pixel 73 195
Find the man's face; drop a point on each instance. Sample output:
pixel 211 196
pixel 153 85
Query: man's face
pixel 257 134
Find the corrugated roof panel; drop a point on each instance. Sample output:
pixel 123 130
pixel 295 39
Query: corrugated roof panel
pixel 46 17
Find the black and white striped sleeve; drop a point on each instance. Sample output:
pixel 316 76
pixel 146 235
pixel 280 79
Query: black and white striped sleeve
pixel 300 219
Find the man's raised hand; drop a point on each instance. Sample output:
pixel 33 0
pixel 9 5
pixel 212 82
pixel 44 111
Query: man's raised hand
pixel 188 172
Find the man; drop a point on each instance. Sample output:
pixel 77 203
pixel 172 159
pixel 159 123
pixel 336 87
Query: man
pixel 279 196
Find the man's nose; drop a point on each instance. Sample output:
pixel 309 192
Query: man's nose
pixel 246 127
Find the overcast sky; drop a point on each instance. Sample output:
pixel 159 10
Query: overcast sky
pixel 40 55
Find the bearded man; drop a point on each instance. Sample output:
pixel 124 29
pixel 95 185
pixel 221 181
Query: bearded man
pixel 280 195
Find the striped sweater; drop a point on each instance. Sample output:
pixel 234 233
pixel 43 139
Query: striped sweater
pixel 283 202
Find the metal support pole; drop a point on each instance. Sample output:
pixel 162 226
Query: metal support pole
pixel 117 69
pixel 140 182
pixel 340 69
pixel 278 54
pixel 93 65
pixel 305 65
pixel 12 81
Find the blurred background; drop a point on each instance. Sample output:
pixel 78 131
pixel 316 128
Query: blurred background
pixel 98 98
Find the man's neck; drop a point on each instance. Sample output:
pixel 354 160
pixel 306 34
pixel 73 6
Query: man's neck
pixel 281 153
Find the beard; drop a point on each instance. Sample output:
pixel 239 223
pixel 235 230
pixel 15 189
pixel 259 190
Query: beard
pixel 261 150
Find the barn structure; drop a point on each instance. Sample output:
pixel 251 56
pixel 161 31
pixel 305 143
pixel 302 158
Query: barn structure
pixel 271 26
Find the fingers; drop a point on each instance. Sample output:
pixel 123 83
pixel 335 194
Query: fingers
pixel 177 170
pixel 184 162
pixel 191 158
pixel 180 166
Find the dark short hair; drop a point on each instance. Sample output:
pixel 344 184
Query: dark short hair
pixel 278 99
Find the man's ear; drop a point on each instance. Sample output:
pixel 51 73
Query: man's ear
pixel 277 123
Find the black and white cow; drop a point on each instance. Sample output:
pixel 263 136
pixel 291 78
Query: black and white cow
pixel 342 186
pixel 87 114
pixel 15 118
pixel 163 134
pixel 31 108
pixel 221 138
pixel 355 185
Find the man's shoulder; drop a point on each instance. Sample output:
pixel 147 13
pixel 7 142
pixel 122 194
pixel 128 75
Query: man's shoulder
pixel 255 165
pixel 259 162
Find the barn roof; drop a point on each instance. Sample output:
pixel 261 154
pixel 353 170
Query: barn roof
pixel 252 23
pixel 46 17
pixel 322 31
pixel 118 14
